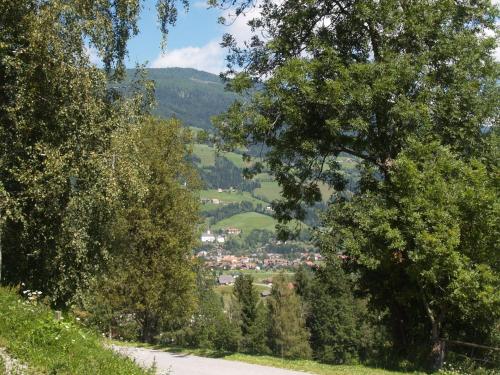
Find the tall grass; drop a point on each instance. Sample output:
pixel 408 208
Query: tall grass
pixel 30 333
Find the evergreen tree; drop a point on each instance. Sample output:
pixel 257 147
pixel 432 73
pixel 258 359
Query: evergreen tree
pixel 255 341
pixel 252 315
pixel 334 317
pixel 288 336
pixel 247 298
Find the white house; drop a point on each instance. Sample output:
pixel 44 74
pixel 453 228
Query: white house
pixel 207 237
pixel 221 239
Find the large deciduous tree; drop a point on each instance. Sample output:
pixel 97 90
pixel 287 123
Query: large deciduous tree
pixel 57 114
pixel 373 79
pixel 360 77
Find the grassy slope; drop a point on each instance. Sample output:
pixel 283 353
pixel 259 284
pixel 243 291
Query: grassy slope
pixel 30 333
pixel 269 190
pixel 309 366
pixel 207 156
pixel 225 197
pixel 247 222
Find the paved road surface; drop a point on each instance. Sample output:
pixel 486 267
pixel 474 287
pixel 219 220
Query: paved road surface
pixel 183 364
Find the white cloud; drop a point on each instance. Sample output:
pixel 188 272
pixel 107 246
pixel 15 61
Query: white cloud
pixel 239 25
pixel 93 55
pixel 200 5
pixel 209 58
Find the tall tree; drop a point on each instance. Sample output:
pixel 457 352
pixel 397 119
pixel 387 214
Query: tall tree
pixel 336 319
pixel 247 299
pixel 150 270
pixel 57 114
pixel 288 336
pixel 252 315
pixel 359 77
pixel 427 246
pixel 366 79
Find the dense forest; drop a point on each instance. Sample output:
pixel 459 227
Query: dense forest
pixel 100 197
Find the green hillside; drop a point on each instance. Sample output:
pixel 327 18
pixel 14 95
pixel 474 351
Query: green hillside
pixel 236 197
pixel 190 95
pixel 194 97
pixel 247 222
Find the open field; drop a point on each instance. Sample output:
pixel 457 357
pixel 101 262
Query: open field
pixel 226 292
pixel 247 222
pixel 226 197
pixel 259 276
pixel 207 156
pixel 205 153
pixel 269 190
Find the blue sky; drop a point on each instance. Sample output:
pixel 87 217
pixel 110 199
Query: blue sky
pixel 193 42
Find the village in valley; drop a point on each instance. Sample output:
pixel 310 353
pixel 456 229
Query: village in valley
pixel 217 257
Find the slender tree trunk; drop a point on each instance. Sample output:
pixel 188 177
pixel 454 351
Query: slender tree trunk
pixel 436 358
pixel 148 328
pixel 438 348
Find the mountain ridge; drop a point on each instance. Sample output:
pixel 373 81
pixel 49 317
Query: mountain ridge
pixel 190 95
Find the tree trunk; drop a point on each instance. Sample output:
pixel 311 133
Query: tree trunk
pixel 436 357
pixel 438 348
pixel 148 328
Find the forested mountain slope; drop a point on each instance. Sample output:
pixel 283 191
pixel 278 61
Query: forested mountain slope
pixel 190 95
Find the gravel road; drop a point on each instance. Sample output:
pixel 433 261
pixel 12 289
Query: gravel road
pixel 183 364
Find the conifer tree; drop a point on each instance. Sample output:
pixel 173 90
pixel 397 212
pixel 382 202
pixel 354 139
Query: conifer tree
pixel 288 336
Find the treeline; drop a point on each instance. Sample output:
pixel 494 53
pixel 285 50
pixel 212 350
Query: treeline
pixel 315 315
pixel 224 174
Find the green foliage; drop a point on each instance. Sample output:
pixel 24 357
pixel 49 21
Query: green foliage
pixel 210 326
pixel 30 334
pixel 252 316
pixel 57 114
pixel 427 243
pixel 360 78
pixel 256 341
pixel 339 323
pixel 150 278
pixel 288 336
pixel 367 79
pixel 246 297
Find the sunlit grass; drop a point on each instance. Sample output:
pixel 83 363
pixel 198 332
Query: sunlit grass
pixel 30 333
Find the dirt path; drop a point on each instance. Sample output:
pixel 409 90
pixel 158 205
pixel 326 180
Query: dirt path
pixel 183 364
